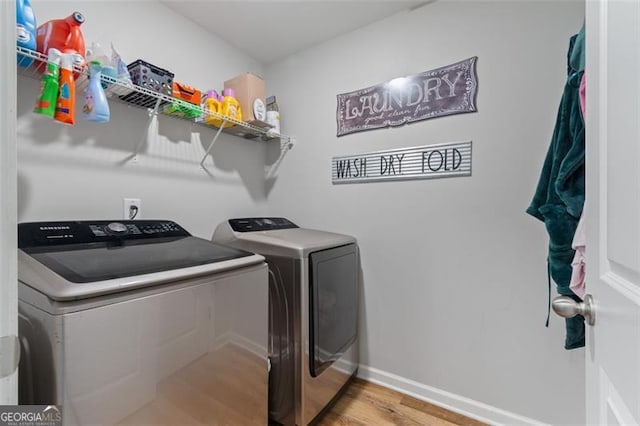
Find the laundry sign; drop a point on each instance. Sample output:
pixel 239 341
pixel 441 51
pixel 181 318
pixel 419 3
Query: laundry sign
pixel 439 92
pixel 422 162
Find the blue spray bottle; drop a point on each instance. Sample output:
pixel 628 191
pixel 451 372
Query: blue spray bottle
pixel 25 30
pixel 95 106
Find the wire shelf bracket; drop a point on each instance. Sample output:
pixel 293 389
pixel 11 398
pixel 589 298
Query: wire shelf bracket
pixel 215 138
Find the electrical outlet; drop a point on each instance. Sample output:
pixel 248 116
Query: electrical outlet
pixel 132 208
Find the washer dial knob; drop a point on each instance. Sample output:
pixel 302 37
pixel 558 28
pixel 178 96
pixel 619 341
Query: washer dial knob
pixel 117 228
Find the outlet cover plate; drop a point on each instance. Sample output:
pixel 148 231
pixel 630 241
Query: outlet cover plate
pixel 128 205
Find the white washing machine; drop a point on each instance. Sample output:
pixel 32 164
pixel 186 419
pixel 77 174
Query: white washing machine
pixel 141 323
pixel 313 312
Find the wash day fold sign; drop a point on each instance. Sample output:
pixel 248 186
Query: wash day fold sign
pixel 444 91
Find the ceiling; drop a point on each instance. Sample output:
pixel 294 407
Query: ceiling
pixel 268 30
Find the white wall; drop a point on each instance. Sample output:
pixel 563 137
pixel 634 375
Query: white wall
pixel 83 172
pixel 455 290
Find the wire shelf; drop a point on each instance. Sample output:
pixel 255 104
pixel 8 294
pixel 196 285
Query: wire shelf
pixel 133 95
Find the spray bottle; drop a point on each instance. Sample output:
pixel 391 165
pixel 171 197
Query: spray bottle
pixel 46 102
pixel 65 107
pixel 95 106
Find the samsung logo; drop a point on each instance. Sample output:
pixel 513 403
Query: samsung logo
pixel 53 228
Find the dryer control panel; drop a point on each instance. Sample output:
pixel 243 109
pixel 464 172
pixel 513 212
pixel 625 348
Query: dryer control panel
pixel 252 224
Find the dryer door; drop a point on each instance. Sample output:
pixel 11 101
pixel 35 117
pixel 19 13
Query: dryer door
pixel 333 305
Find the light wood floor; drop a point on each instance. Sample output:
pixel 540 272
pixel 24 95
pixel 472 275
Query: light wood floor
pixel 368 404
pixel 206 392
pixel 226 387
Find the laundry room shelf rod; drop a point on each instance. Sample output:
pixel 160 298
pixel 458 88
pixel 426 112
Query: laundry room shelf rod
pixel 117 88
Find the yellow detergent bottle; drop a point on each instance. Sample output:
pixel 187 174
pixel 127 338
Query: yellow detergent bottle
pixel 230 107
pixel 212 104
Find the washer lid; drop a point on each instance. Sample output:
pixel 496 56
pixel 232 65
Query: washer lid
pixel 105 261
pixel 58 258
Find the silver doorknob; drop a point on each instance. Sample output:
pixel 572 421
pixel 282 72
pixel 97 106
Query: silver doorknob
pixel 566 307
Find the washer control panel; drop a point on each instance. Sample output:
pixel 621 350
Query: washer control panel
pixel 36 234
pixel 252 224
pixel 157 228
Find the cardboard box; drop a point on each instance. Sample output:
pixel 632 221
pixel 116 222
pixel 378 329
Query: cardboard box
pixel 247 88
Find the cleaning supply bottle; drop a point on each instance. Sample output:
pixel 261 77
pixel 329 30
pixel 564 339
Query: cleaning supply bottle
pixel 230 107
pixel 122 72
pixel 25 30
pixel 273 114
pixel 95 106
pixel 95 52
pixel 46 102
pixel 212 104
pixel 62 34
pixel 65 106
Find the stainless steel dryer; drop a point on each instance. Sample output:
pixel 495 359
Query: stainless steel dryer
pixel 139 322
pixel 313 311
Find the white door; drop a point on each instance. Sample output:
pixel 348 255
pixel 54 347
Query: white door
pixel 613 211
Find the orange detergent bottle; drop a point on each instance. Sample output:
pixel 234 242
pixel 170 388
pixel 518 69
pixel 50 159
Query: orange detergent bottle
pixel 66 103
pixel 230 107
pixel 62 34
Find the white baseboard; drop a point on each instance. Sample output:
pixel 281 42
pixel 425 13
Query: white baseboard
pixel 236 339
pixel 457 404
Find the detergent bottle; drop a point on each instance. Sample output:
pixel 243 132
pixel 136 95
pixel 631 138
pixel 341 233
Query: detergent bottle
pixel 273 114
pixel 65 106
pixel 95 52
pixel 122 72
pixel 212 104
pixel 95 106
pixel 62 34
pixel 230 106
pixel 46 102
pixel 25 30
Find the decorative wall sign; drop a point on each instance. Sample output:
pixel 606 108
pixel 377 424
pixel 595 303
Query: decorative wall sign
pixel 443 91
pixel 422 162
